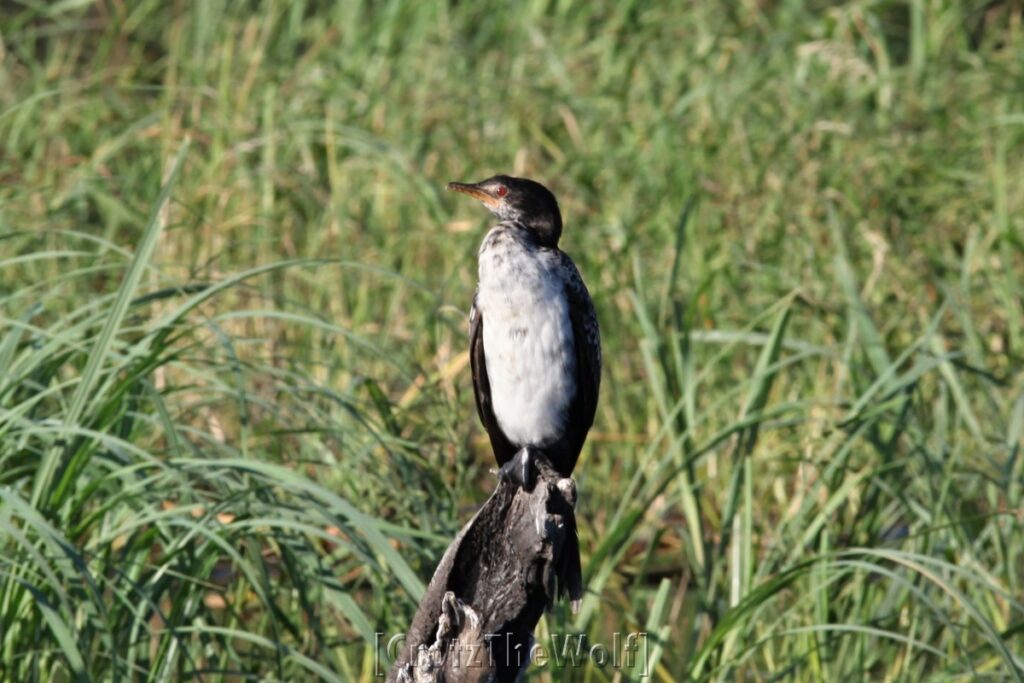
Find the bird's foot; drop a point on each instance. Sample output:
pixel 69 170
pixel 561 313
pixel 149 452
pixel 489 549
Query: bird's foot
pixel 519 470
pixel 567 487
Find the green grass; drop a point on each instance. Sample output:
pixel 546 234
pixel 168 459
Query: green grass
pixel 236 423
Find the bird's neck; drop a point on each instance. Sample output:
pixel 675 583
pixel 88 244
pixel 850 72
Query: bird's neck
pixel 546 229
pixel 526 233
pixel 509 234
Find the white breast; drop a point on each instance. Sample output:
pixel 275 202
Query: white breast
pixel 528 339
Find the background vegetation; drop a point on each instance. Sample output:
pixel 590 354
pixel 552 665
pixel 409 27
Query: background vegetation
pixel 236 425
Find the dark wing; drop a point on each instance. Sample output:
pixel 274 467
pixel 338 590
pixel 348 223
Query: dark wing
pixel 587 337
pixel 503 449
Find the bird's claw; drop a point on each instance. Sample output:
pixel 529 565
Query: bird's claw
pixel 519 470
pixel 567 487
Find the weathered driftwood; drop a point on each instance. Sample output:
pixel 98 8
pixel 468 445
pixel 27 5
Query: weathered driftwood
pixel 507 565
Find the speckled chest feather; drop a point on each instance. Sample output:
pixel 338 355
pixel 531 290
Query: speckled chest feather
pixel 528 336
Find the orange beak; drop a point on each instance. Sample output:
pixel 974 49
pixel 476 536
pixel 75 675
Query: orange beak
pixel 475 192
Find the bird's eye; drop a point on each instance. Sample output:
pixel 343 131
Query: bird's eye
pixel 502 191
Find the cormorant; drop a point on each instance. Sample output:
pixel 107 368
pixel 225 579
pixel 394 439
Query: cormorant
pixel 535 346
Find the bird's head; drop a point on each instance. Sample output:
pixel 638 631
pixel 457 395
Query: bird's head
pixel 521 200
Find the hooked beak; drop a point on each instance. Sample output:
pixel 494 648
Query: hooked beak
pixel 476 192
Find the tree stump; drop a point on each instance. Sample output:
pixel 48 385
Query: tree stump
pixel 507 565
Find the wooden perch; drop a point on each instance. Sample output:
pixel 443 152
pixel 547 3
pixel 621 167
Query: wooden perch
pixel 507 565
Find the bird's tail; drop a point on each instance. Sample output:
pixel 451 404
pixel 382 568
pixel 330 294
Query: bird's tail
pixel 570 569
